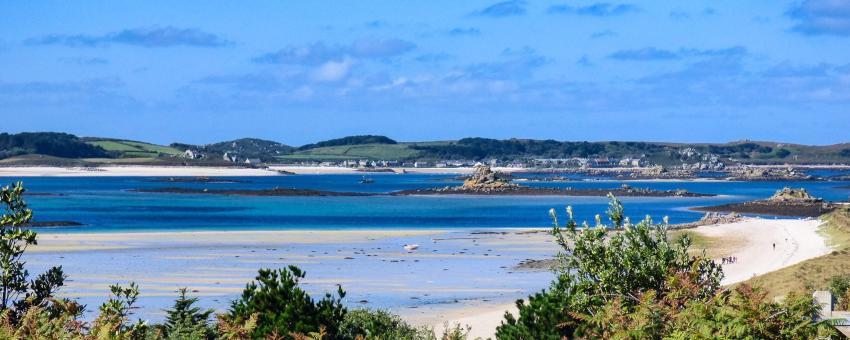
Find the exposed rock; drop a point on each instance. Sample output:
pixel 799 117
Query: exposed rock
pixel 710 218
pixel 748 173
pixel 537 265
pixel 485 179
pixel 787 194
pixel 785 202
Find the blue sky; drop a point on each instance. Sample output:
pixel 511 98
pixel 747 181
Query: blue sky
pixel 298 72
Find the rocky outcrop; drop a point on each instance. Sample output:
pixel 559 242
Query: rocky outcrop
pixel 518 190
pixel 768 174
pixel 787 194
pixel 485 179
pixel 710 218
pixel 785 202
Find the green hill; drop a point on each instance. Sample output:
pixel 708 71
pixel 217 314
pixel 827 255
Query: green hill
pixel 350 140
pixel 54 144
pixel 58 146
pixel 133 149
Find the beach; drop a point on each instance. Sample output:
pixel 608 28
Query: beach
pixel 456 276
pixel 205 171
pixel 453 274
pixel 765 245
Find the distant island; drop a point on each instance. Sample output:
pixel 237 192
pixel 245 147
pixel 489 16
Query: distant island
pixel 742 160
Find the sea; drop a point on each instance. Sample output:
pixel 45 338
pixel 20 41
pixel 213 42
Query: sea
pixel 111 204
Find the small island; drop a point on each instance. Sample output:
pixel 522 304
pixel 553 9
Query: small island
pixel 785 202
pixel 484 181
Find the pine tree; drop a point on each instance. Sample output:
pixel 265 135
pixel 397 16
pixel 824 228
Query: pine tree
pixel 185 320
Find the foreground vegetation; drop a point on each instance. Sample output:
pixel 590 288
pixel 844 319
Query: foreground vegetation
pixel 631 284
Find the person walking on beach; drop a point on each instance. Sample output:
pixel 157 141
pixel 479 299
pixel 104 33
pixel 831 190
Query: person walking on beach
pixel 774 247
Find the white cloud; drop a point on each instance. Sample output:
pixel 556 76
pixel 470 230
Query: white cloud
pixel 332 70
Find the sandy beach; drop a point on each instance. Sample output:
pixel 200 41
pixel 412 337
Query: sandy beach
pixel 752 242
pixel 131 171
pixel 463 275
pixel 456 276
pixel 165 171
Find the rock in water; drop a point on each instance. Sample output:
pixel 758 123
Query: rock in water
pixel 484 178
pixel 787 194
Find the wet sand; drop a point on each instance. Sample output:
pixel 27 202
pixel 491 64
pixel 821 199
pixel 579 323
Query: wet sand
pixel 463 276
pixel 452 271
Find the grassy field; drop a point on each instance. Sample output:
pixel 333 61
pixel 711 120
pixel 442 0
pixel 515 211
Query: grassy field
pixel 132 149
pixel 814 274
pixel 364 151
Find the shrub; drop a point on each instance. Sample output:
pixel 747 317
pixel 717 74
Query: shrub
pixel 282 308
pixel 379 325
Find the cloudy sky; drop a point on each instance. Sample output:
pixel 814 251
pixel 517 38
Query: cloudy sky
pixel 298 72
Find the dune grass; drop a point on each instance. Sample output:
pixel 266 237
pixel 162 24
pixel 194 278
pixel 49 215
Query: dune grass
pixel 815 274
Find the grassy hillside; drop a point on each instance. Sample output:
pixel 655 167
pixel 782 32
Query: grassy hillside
pixel 815 273
pixel 364 151
pixel 133 149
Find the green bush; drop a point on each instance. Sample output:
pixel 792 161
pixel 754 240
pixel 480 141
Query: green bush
pixel 379 325
pixel 283 309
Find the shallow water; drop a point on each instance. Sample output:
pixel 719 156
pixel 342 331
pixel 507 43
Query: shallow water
pixel 107 203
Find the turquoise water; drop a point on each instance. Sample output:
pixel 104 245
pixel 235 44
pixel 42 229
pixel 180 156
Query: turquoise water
pixel 104 204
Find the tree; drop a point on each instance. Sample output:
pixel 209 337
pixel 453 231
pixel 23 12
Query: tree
pixel 18 293
pixel 284 309
pixel 186 321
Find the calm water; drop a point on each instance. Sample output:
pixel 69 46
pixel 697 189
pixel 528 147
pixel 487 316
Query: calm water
pixel 108 204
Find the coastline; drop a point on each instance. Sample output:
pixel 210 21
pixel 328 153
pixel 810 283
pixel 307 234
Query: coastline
pixel 750 240
pixel 471 279
pixel 450 271
pixel 204 171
